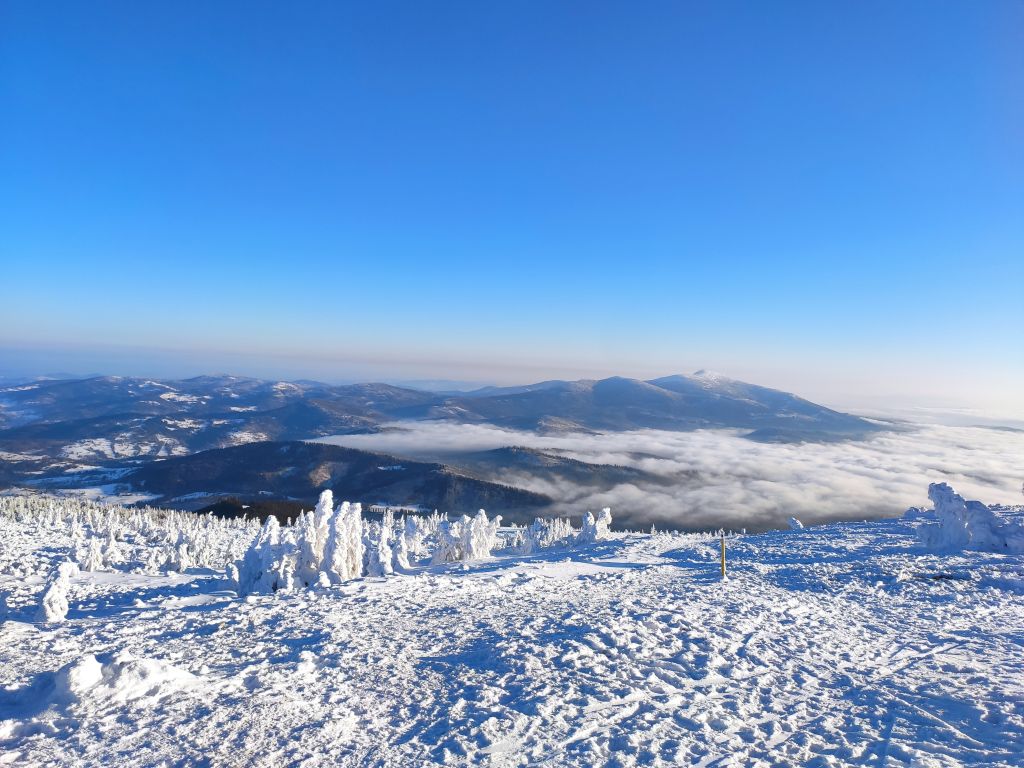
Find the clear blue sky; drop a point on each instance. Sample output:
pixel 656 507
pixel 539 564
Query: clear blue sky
pixel 813 195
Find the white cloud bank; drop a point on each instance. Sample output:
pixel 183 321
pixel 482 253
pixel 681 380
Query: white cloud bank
pixel 711 478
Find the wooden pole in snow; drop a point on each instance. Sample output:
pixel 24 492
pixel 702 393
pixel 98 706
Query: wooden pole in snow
pixel 723 554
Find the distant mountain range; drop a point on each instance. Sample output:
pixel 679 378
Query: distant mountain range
pixel 145 430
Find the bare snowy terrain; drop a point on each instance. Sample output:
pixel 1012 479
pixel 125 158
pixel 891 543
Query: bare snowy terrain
pixel 847 644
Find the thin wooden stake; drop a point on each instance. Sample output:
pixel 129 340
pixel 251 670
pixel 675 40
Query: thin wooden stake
pixel 723 555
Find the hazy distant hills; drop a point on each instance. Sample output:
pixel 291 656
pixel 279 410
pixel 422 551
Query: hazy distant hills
pixel 204 396
pixel 57 428
pixel 301 470
pixel 673 403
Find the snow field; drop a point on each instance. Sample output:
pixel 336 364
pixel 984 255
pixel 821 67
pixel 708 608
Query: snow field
pixel 839 645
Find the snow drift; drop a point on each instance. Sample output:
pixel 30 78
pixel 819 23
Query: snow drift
pixel 123 679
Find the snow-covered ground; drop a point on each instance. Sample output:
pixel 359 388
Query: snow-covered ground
pixel 846 644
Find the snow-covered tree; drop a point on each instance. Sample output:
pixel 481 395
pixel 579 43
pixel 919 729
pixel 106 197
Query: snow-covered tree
pixel 595 529
pixel 377 557
pixel 343 553
pixel 968 525
pixel 448 541
pixel 480 536
pixel 54 605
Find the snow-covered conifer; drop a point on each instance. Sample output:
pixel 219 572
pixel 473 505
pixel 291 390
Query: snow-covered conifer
pixel 54 605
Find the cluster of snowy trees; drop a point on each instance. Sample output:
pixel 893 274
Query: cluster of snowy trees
pixel 106 537
pixel 331 544
pixel 327 545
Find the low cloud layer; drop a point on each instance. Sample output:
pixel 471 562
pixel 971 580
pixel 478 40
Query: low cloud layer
pixel 712 478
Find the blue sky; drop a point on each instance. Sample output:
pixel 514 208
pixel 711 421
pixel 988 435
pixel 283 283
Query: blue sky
pixel 827 197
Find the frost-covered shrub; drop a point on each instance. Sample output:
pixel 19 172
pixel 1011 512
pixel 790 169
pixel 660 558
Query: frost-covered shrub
pixel 419 532
pixel 54 605
pixel 547 532
pixel 465 539
pixel 269 563
pixel 377 549
pixel 312 532
pixel 964 524
pixel 400 554
pixel 448 542
pixel 595 529
pixel 89 555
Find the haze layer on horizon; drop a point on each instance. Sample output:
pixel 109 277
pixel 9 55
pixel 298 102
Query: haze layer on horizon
pixel 821 198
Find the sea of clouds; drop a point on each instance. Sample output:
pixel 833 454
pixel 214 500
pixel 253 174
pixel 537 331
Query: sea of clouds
pixel 717 478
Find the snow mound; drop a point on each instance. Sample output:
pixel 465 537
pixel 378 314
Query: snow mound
pixel 964 524
pixel 124 679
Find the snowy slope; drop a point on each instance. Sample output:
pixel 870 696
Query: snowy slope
pixel 840 645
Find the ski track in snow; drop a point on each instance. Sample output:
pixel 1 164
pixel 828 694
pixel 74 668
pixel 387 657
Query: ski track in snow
pixel 840 645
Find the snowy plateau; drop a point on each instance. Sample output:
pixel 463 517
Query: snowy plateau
pixel 144 637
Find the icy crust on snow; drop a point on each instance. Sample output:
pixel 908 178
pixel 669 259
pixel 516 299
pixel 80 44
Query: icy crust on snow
pixel 964 524
pixel 838 645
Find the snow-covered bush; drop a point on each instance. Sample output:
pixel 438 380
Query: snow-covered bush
pixel 596 529
pixel 54 605
pixel 89 555
pixel 795 525
pixel 418 532
pixel 546 532
pixel 343 555
pixel 377 548
pixel 269 563
pixel 468 538
pixel 400 554
pixel 448 542
pixel 480 537
pixel 964 524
